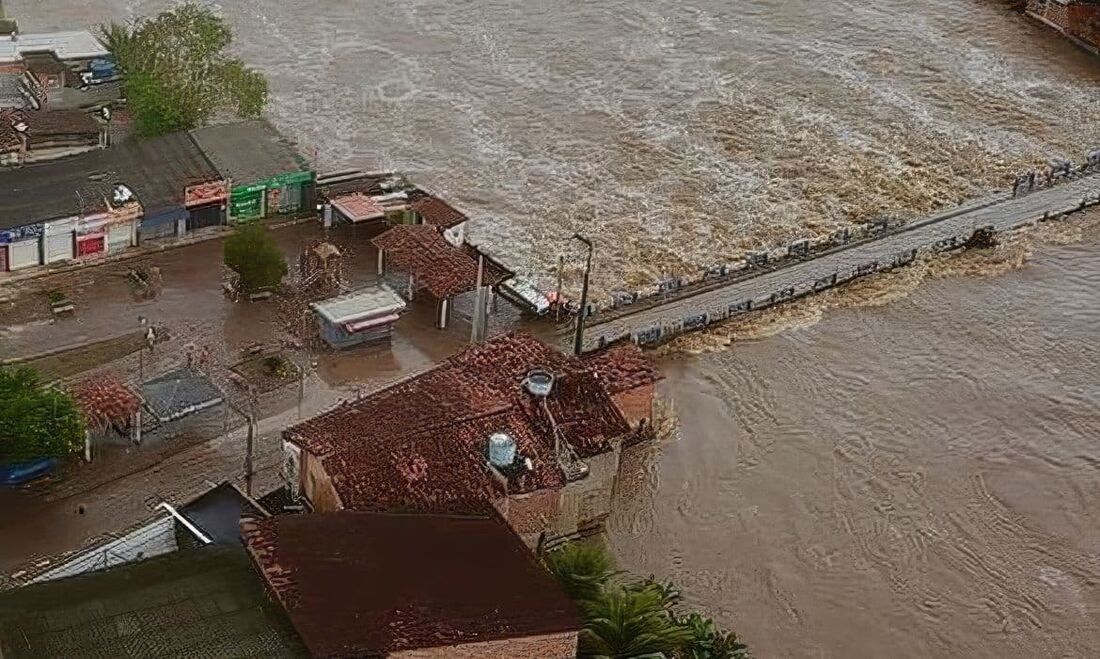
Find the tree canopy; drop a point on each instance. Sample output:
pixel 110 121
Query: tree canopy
pixel 36 421
pixel 252 253
pixel 177 73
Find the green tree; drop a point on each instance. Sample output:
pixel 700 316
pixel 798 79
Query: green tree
pixel 177 73
pixel 582 569
pixel 631 621
pixel 252 253
pixel 36 421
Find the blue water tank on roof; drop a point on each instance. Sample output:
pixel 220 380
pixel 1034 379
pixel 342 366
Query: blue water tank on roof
pixel 502 449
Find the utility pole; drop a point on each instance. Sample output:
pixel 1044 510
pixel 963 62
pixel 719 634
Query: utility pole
pixel 142 322
pixel 578 338
pixel 250 442
pixel 477 335
pixel 557 299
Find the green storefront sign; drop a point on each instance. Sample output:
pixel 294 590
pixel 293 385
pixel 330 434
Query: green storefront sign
pixel 247 201
pixel 290 178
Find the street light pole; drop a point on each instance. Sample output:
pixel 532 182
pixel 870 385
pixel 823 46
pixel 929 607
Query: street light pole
pixel 578 337
pixel 142 322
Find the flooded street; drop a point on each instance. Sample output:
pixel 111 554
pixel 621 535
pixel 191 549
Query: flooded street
pixel 911 479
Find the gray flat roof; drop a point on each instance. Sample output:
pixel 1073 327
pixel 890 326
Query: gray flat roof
pixel 218 513
pixel 179 393
pixel 365 302
pixel 156 170
pixel 78 44
pixel 249 151
pixel 206 602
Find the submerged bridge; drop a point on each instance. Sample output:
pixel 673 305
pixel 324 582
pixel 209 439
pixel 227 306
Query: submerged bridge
pixel 804 268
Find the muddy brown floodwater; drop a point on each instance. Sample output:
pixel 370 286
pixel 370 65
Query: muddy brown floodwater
pixel 913 480
pixel 675 133
pixel 918 479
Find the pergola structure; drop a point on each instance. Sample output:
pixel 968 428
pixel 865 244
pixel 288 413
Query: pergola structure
pixel 107 402
pixel 435 265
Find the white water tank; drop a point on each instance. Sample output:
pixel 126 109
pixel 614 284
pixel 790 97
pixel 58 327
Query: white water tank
pixel 502 449
pixel 539 383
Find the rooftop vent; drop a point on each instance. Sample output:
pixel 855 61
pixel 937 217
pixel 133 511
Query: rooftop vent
pixel 539 383
pixel 502 450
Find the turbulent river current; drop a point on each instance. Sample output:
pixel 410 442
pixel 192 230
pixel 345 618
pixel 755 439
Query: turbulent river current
pixel 911 479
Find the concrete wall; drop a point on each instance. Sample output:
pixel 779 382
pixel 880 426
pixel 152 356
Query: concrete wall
pixel 532 514
pixel 587 502
pixel 152 539
pixel 317 485
pixel 550 646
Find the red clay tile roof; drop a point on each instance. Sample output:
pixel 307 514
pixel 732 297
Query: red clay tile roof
pixel 435 426
pixel 368 584
pixel 106 400
pixel 435 399
pixel 358 207
pixel 623 367
pixel 436 212
pixel 439 266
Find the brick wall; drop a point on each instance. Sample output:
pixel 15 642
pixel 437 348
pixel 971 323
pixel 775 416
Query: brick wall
pixel 550 646
pixel 11 67
pixel 636 404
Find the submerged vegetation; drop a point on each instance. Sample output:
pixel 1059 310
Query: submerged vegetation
pixel 177 72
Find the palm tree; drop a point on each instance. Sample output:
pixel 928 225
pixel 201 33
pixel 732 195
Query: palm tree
pixel 582 569
pixel 710 642
pixel 631 621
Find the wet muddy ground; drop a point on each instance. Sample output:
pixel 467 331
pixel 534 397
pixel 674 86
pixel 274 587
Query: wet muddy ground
pixel 204 328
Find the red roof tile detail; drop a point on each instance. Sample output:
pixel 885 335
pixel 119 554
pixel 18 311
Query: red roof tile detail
pixel 368 584
pixel 359 207
pixel 623 367
pixel 436 212
pixel 439 266
pixel 106 400
pixel 420 444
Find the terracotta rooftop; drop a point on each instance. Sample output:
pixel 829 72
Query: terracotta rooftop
pixel 442 268
pixel 436 212
pixel 358 207
pixel 369 584
pixel 623 367
pixel 106 400
pixel 419 445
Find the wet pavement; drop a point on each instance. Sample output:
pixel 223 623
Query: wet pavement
pixel 176 459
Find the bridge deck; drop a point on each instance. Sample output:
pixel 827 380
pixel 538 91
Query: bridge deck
pixel 801 277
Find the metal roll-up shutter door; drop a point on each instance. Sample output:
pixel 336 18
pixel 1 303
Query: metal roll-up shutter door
pixel 59 247
pixel 23 254
pixel 118 237
pixel 207 216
